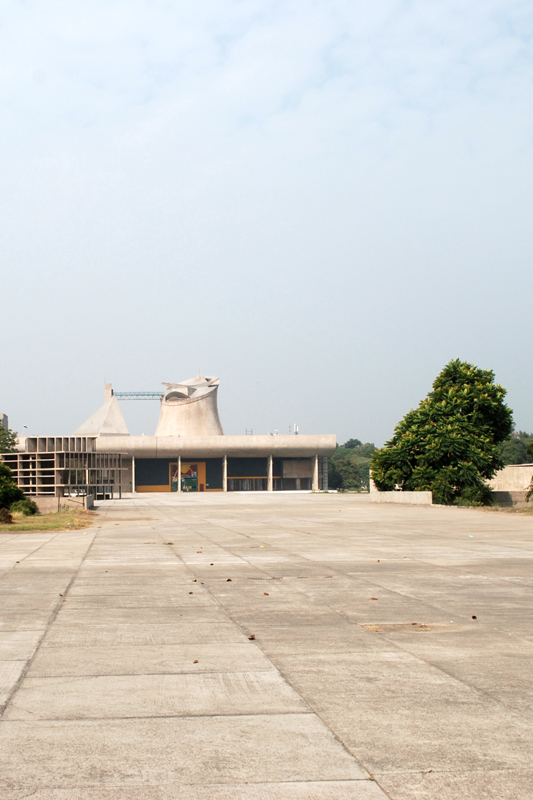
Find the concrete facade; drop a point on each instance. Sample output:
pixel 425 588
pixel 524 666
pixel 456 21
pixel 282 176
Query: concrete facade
pixel 189 452
pixel 65 466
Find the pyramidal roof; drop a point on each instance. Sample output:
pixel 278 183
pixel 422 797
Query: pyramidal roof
pixel 107 421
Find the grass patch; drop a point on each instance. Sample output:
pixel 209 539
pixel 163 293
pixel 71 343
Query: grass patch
pixel 70 519
pixel 511 509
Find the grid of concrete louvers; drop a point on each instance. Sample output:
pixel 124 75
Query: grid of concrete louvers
pixel 60 466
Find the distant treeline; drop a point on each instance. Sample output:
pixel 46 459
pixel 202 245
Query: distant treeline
pixel 349 466
pixel 514 448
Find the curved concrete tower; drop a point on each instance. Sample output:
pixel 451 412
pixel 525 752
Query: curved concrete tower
pixel 190 409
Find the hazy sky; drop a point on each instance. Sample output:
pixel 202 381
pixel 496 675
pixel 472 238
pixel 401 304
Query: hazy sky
pixel 319 202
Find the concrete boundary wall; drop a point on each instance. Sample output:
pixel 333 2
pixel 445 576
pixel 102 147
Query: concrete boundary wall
pixel 50 505
pixel 403 498
pixel 511 499
pixel 513 478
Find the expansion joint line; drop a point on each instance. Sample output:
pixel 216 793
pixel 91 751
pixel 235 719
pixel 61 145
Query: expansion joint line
pixel 51 618
pixel 280 671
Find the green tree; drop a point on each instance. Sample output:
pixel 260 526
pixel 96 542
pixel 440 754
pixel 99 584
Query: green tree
pixel 9 491
pixel 351 444
pixel 349 466
pixel 8 440
pixel 514 448
pixel 451 443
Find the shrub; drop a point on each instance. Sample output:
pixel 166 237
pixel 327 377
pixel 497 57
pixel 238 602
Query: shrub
pixel 25 506
pixel 9 491
pixel 5 517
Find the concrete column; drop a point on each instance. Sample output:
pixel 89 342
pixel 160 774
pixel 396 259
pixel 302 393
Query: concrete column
pixel 133 474
pixel 225 474
pixel 270 474
pixel 179 473
pixel 315 475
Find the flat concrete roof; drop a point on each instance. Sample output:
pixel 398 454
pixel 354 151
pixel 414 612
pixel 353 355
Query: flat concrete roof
pixel 218 446
pixel 269 647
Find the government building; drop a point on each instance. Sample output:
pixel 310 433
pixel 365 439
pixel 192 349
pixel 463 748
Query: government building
pixel 189 452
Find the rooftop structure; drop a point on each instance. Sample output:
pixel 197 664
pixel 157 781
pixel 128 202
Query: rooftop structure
pixel 190 408
pixel 107 421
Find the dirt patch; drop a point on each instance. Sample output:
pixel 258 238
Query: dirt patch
pixel 412 627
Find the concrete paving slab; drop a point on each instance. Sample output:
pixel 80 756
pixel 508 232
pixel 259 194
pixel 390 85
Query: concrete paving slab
pixel 147 660
pixel 189 750
pixel 18 645
pixel 142 633
pixel 123 696
pixel 489 784
pixel 10 672
pixel 344 637
pixel 400 716
pixel 36 581
pixel 441 711
pixel 461 651
pixel 152 614
pixel 272 618
pixel 27 602
pixel 315 790
pixel 28 620
pixel 187 596
pixel 105 586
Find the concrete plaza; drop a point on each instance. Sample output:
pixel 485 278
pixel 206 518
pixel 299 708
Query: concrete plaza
pixel 268 647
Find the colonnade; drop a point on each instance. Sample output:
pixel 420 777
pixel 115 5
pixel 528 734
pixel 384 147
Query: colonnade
pixel 270 473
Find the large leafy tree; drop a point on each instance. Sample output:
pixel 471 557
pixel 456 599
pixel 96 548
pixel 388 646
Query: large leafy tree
pixel 349 466
pixel 451 443
pixel 8 440
pixel 9 491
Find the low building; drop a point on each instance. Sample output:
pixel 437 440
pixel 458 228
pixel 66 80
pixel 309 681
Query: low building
pixel 65 466
pixel 189 452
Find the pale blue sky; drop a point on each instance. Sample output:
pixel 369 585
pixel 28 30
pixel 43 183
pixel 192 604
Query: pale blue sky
pixel 319 202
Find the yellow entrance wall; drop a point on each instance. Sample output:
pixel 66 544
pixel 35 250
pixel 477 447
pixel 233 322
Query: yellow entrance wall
pixel 164 488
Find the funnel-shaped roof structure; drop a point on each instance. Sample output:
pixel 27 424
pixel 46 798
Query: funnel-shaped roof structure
pixel 190 408
pixel 107 421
